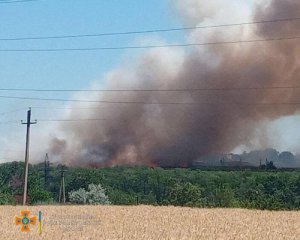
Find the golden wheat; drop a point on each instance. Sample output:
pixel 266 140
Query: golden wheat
pixel 147 222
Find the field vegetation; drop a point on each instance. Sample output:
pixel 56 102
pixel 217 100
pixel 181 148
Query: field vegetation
pixel 155 223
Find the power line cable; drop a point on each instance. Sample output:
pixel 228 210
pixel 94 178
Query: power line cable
pixel 71 120
pixel 14 111
pixel 145 103
pixel 18 151
pixel 11 159
pixel 59 120
pixel 150 90
pixel 150 46
pixel 84 101
pixel 99 101
pixel 9 122
pixel 149 31
pixel 10 150
pixel 69 108
pixel 18 1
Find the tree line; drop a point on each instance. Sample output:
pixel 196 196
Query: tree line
pixel 272 190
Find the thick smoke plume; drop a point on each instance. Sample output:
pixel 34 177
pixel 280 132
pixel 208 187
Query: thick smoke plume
pixel 161 134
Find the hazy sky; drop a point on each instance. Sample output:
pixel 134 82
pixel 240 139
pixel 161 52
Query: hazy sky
pixel 76 70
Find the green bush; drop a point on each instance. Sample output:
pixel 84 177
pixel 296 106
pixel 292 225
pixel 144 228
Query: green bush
pixel 118 197
pixel 7 199
pixel 185 194
pixel 224 197
pixel 40 196
pixel 95 195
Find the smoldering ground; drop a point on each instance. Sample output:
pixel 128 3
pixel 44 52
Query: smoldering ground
pixel 177 127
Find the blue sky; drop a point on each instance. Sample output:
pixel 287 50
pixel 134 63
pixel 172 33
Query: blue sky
pixel 51 17
pixel 71 70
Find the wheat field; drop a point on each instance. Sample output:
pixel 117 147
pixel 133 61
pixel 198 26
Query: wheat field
pixel 147 222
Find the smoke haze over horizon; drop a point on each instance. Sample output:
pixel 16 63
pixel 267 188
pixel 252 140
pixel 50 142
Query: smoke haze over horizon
pixel 217 121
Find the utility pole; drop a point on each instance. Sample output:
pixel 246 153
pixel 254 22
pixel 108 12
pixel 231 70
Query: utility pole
pixel 240 163
pixel 260 163
pixel 15 167
pixel 46 171
pixel 28 123
pixel 62 190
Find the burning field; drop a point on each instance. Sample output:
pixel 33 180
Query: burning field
pixel 146 222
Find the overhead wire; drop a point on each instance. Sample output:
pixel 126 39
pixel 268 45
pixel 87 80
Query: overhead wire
pixel 68 108
pixel 18 1
pixel 144 103
pixel 10 159
pixel 151 46
pixel 151 90
pixel 13 111
pixel 149 31
pixel 9 122
pixel 58 120
pixel 71 120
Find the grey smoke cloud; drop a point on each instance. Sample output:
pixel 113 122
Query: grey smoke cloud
pixel 144 134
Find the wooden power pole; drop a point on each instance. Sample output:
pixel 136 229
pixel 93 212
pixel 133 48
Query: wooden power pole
pixel 28 123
